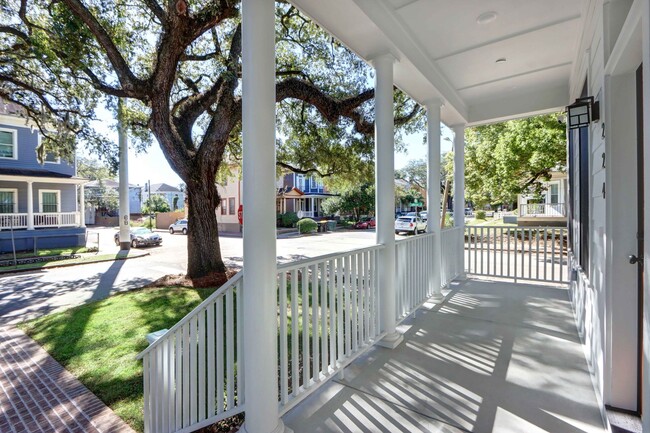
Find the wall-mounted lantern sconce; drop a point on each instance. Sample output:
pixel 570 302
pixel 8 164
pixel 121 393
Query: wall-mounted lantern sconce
pixel 582 112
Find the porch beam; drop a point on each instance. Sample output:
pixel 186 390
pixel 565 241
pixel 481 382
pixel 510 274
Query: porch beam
pixel 30 205
pixel 459 193
pixel 259 294
pixel 433 191
pixel 385 196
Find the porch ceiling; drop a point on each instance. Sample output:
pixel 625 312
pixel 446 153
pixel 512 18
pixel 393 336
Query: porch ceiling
pixel 444 51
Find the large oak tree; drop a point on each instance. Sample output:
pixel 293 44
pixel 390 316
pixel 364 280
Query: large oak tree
pixel 177 64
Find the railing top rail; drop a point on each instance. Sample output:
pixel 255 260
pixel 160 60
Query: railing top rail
pixel 313 260
pixel 414 238
pixel 451 229
pixel 219 292
pixel 519 227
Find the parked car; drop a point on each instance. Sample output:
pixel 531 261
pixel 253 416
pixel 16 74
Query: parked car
pixel 366 223
pixel 140 236
pixel 410 224
pixel 179 226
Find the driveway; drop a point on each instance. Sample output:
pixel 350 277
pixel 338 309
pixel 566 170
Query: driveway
pixel 31 294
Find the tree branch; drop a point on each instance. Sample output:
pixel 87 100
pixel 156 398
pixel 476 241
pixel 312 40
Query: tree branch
pixel 303 171
pixel 135 86
pixel 331 109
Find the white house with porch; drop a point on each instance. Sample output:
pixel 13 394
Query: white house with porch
pixel 401 339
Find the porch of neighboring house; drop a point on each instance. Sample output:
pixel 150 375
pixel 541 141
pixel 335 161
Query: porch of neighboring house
pixel 41 212
pixel 304 205
pixel 550 209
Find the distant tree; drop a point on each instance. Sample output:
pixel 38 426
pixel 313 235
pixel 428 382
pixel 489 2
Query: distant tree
pixel 510 158
pixel 101 198
pixel 93 169
pixel 155 204
pixel 354 201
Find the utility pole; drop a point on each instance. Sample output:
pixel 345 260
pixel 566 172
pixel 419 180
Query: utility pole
pixel 125 237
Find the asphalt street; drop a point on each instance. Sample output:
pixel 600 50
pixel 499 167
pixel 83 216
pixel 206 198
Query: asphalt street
pixel 27 295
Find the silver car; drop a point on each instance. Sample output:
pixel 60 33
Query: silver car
pixel 179 226
pixel 410 224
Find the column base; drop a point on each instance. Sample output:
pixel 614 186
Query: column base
pixel 437 297
pixel 391 341
pixel 125 246
pixel 280 428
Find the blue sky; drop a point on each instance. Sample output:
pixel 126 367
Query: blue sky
pixel 152 165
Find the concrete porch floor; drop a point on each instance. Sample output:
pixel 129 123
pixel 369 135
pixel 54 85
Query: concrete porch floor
pixel 493 357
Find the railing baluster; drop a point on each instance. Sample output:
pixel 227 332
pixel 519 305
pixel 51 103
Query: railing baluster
pixel 230 353
pixel 295 349
pixel 332 310
pixel 284 356
pixel 211 367
pixel 305 329
pixel 354 294
pixel 221 358
pixel 323 318
pixel 201 365
pixel 186 375
pixel 340 309
pixel 314 323
pixel 553 254
pixel 361 287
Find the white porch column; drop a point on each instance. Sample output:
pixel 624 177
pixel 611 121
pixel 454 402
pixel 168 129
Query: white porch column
pixel 30 205
pixel 82 206
pixel 385 196
pixel 645 19
pixel 433 190
pixel 125 237
pixel 459 191
pixel 259 294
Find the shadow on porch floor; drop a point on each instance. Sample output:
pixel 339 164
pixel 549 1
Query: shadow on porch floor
pixel 494 356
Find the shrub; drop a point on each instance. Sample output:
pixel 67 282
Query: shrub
pixel 480 214
pixel 307 225
pixel 289 219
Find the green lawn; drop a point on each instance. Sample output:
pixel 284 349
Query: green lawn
pixel 98 342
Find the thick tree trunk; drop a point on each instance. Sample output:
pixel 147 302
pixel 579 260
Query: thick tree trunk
pixel 203 249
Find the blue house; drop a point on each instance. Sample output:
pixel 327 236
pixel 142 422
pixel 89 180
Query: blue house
pixel 39 203
pixel 302 194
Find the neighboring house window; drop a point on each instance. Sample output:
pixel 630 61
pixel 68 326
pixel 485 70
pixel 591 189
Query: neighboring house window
pixel 52 158
pixel 8 144
pixel 8 202
pixel 224 204
pixel 231 205
pixel 555 193
pixel 50 201
pixel 300 182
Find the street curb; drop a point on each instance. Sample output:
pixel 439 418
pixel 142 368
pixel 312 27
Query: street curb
pixel 67 265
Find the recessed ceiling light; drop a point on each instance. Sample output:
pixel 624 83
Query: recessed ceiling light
pixel 501 60
pixel 486 17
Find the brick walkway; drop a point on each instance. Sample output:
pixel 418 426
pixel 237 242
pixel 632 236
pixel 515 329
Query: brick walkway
pixel 38 395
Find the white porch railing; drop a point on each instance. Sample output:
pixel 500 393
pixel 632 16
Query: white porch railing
pixel 305 214
pixel 521 253
pixel 190 373
pixel 327 317
pixel 13 220
pixel 451 259
pixel 41 220
pixel 58 219
pixel 414 273
pixel 541 210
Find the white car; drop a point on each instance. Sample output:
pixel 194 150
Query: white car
pixel 179 226
pixel 410 224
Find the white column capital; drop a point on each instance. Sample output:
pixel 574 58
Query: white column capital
pixel 434 103
pixel 458 128
pixel 383 58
